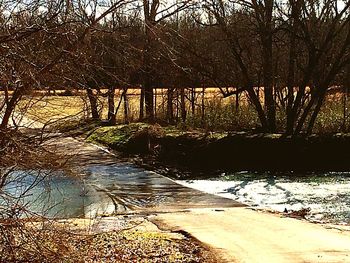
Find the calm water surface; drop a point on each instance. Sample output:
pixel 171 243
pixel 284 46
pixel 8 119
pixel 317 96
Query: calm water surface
pixel 103 189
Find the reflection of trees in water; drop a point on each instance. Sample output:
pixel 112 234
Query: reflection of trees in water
pixel 45 194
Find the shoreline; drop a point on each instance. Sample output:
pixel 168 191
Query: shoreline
pixel 293 213
pixel 222 230
pixel 196 154
pixel 151 160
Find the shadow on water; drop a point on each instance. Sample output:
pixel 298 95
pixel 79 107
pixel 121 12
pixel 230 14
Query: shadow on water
pixel 105 189
pixel 122 188
pixel 44 193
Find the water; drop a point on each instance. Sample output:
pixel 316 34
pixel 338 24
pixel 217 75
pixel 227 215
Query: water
pixel 102 189
pixel 119 188
pixel 326 194
pixel 48 193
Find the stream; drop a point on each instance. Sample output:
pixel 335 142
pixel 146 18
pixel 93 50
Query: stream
pixel 120 188
pixel 117 188
pixel 326 194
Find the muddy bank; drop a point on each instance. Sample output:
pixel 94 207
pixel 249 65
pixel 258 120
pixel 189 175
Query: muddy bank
pixel 203 153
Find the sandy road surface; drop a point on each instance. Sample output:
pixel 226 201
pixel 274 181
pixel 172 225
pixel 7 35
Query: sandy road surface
pixel 244 235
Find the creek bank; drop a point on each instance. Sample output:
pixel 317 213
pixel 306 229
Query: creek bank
pixel 194 154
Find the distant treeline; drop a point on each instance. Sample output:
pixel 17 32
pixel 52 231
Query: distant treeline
pixel 283 56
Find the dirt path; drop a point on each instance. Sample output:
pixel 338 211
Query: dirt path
pixel 244 235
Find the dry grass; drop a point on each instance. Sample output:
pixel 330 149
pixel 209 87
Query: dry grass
pixel 49 241
pixel 51 108
pixel 219 113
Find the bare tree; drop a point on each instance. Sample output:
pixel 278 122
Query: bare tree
pixel 155 12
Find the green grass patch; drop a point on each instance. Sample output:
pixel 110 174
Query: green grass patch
pixel 116 136
pixel 133 135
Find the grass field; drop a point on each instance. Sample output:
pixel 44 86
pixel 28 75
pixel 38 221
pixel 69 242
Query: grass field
pixel 52 108
pixel 211 111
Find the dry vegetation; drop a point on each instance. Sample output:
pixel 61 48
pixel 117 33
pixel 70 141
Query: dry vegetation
pixel 52 108
pixel 213 113
pixel 294 51
pixel 49 241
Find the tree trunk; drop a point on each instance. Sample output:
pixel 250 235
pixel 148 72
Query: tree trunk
pixel 147 82
pixel 315 114
pixel 345 107
pixel 254 98
pixel 93 104
pixel 111 107
pixel 155 104
pixel 126 106
pixel 203 106
pixel 183 104
pixel 149 49
pixel 266 39
pixel 193 101
pixel 149 103
pixel 10 107
pixel 303 117
pixel 270 109
pixel 142 102
pixel 170 110
pixel 291 69
pixel 298 101
pixel 346 94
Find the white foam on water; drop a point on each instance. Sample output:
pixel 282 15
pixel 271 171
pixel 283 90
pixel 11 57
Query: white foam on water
pixel 329 200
